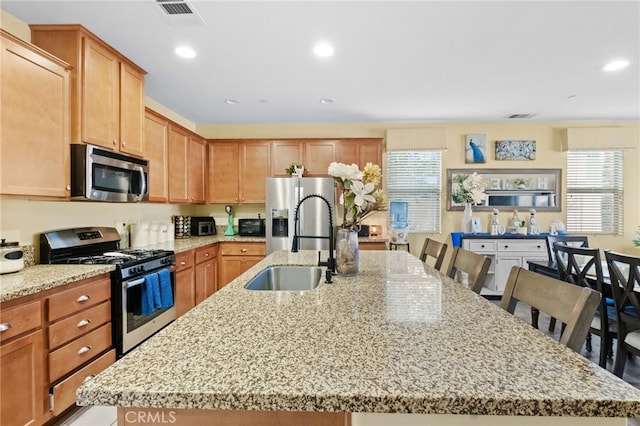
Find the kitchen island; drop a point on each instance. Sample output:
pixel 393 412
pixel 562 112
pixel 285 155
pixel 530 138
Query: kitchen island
pixel 393 345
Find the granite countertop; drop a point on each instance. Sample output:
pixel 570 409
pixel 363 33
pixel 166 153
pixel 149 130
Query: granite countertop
pixel 394 338
pixel 36 278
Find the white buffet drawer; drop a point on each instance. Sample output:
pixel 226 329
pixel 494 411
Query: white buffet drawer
pixel 482 246
pixel 532 246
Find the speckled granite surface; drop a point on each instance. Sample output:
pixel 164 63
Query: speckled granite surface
pixel 391 339
pixel 35 279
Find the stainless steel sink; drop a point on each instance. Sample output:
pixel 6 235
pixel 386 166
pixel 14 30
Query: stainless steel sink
pixel 286 278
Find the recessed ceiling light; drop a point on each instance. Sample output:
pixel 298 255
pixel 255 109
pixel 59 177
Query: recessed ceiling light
pixel 323 50
pixel 231 101
pixel 326 101
pixel 616 65
pixel 185 52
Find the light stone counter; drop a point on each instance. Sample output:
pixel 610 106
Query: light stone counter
pixel 34 279
pixel 393 339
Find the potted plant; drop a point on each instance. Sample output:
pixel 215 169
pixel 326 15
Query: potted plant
pixel 295 170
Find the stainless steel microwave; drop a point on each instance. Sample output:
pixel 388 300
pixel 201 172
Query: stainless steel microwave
pixel 101 175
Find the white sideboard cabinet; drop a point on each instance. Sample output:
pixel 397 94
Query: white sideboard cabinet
pixel 505 253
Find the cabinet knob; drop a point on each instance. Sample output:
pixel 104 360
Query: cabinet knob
pixel 506 246
pixel 4 326
pixel 84 323
pixel 124 143
pixel 68 187
pixel 206 255
pixel 482 246
pixel 86 379
pixel 84 350
pixel 115 142
pixel 83 298
pixel 244 250
pixel 183 263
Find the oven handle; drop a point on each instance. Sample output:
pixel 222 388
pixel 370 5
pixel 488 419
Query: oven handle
pixel 140 280
pixel 133 283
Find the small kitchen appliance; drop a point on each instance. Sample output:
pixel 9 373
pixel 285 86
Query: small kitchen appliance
pixel 101 175
pixel 251 227
pixel 182 225
pixel 11 257
pixel 203 225
pixel 135 272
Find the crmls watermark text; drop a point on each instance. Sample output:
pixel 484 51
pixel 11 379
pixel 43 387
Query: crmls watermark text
pixel 149 416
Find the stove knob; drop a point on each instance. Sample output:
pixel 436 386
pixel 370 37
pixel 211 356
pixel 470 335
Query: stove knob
pixel 132 270
pixel 141 268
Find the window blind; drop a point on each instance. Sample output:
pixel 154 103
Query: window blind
pixel 415 177
pixel 595 192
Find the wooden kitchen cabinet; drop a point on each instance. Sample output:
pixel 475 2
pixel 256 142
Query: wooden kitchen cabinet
pixel 206 272
pixel 156 148
pixel 284 153
pixel 107 91
pixel 318 154
pixel 34 128
pixel 236 257
pixel 237 171
pixel 185 298
pixel 360 151
pixel 22 364
pixel 186 166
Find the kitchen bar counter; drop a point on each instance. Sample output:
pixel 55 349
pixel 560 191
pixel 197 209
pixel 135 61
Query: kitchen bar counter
pixel 393 339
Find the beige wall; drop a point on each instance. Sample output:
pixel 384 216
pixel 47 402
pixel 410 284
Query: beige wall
pixel 23 219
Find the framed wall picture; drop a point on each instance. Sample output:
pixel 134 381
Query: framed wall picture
pixel 476 148
pixel 516 150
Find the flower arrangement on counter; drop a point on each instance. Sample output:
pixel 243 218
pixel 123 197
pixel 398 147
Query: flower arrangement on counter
pixel 468 189
pixel 361 192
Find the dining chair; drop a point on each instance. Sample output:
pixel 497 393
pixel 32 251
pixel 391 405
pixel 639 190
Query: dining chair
pixel 567 240
pixel 434 249
pixel 583 267
pixel 573 305
pixel 624 275
pixel 474 265
pixel 570 240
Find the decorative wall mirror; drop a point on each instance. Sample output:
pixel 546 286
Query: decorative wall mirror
pixel 512 188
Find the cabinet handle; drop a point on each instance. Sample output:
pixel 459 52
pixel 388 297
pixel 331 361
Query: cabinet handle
pixel 68 187
pixel 183 263
pixel 206 255
pixel 506 246
pixel 124 143
pixel 482 246
pixel 84 350
pixel 83 298
pixel 86 379
pixel 244 250
pixel 5 326
pixel 115 141
pixel 84 323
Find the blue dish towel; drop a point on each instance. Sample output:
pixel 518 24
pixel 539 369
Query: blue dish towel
pixel 150 294
pixel 166 292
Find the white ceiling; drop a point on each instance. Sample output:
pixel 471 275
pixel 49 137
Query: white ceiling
pixel 394 61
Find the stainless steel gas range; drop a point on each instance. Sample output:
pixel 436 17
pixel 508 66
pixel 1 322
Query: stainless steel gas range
pixel 142 285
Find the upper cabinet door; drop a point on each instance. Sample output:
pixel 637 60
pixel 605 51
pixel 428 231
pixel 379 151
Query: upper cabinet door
pixel 283 154
pixel 360 151
pixel 131 110
pixel 223 176
pixel 195 169
pixel 318 154
pixel 100 95
pixel 255 168
pixel 178 160
pixel 156 147
pixel 34 130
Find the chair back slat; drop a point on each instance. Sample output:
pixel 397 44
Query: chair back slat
pixel 434 249
pixel 571 304
pixel 473 264
pixel 624 275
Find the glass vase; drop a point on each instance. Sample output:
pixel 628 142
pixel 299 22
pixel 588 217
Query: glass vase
pixel 347 252
pixel 466 218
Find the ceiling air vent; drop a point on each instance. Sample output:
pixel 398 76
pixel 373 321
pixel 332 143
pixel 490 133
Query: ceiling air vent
pixel 180 12
pixel 512 116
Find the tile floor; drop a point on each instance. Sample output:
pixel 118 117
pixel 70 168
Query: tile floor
pixel 106 416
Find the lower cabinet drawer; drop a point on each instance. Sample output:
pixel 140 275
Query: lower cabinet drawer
pixel 243 249
pixel 72 355
pixel 19 319
pixel 78 324
pixel 534 246
pixel 64 393
pixel 482 246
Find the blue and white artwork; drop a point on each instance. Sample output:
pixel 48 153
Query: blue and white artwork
pixel 476 148
pixel 515 150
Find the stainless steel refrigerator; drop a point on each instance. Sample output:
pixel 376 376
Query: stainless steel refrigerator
pixel 283 195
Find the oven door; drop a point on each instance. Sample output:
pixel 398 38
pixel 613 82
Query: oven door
pixel 136 325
